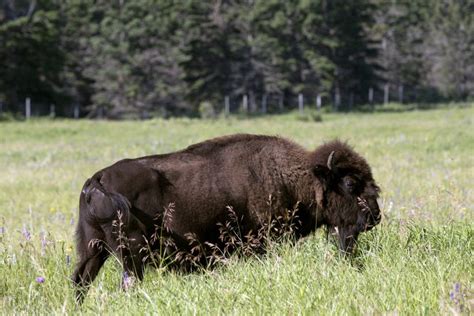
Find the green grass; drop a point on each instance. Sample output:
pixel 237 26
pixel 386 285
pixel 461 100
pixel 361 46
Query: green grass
pixel 423 160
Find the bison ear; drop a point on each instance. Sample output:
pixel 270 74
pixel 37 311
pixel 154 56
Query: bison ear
pixel 323 173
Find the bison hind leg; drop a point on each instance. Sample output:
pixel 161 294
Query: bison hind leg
pixel 92 256
pixel 86 271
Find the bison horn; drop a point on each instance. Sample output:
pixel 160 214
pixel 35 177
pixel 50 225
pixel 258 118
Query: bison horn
pixel 329 163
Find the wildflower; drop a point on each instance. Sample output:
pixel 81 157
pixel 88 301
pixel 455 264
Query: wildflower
pixel 127 281
pixel 71 221
pixel 68 260
pixel 457 297
pixel 126 277
pixel 26 233
pixel 40 279
pixel 2 230
pixel 457 287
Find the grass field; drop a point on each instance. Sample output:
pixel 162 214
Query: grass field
pixel 420 260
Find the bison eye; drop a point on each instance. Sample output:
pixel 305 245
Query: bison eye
pixel 349 183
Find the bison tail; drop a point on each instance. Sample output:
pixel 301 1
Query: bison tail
pixel 99 206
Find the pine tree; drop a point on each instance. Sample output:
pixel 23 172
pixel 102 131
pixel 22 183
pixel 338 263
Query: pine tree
pixel 32 60
pixel 209 55
pixel 347 27
pixel 449 49
pixel 128 56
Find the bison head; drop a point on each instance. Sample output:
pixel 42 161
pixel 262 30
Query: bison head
pixel 349 193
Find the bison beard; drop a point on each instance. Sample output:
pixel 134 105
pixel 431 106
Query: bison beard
pixel 184 199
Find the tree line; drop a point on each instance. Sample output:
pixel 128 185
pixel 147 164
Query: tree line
pixel 171 56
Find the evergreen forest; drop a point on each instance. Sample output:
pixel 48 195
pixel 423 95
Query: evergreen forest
pixel 172 57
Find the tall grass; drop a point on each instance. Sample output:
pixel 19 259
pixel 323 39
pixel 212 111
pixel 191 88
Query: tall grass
pixel 418 261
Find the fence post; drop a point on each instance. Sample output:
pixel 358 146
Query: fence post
pixel 252 103
pixel 245 103
pixel 337 98
pixel 52 111
pixel 1 107
pixel 27 108
pixel 301 103
pixel 318 102
pixel 264 103
pixel 226 106
pixel 371 95
pixel 280 103
pixel 76 111
pixel 400 93
pixel 386 94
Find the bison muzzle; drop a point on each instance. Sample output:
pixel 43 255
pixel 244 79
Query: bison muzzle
pixel 136 203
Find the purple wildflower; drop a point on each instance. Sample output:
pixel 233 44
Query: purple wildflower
pixel 127 281
pixel 457 297
pixel 71 221
pixel 457 287
pixel 68 260
pixel 40 279
pixel 2 230
pixel 26 233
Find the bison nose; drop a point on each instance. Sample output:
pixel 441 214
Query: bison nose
pixel 376 215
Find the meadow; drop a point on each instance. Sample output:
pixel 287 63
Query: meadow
pixel 419 260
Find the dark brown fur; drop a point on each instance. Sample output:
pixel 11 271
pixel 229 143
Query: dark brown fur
pixel 260 177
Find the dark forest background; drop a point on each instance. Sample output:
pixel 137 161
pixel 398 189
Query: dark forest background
pixel 164 57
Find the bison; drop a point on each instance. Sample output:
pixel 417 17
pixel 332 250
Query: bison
pixel 190 192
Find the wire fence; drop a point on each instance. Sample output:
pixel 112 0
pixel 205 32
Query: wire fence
pixel 246 103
